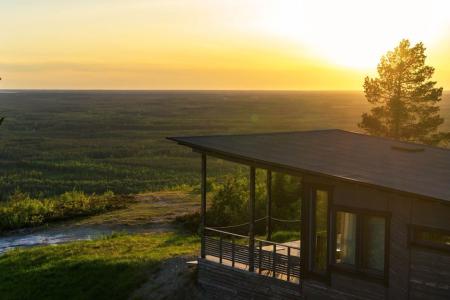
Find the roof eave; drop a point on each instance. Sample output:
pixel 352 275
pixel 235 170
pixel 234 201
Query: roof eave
pixel 251 161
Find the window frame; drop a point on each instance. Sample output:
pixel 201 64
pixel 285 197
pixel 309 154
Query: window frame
pixel 358 270
pixel 313 227
pixel 428 245
pixel 308 206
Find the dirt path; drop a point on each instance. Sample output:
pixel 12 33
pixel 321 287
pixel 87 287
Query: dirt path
pixel 152 212
pixel 175 279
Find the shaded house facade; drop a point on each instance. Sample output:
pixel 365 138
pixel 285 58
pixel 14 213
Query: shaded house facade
pixel 375 219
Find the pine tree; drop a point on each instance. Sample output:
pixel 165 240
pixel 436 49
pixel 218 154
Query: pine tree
pixel 404 98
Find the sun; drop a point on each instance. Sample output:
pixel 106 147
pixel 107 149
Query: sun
pixel 353 33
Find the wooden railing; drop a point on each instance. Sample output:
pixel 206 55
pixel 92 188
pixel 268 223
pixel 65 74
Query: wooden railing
pixel 270 259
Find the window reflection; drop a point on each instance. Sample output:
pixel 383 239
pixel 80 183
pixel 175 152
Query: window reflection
pixel 374 241
pixel 321 231
pixel 345 238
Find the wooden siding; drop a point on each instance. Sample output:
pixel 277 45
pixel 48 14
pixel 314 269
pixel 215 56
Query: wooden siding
pixel 359 288
pixel 431 213
pixel 430 275
pixel 223 282
pixel 414 273
pixel 399 252
pixel 430 269
pixel 399 207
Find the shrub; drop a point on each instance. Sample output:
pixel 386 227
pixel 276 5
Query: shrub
pixel 285 236
pixel 190 222
pixel 228 198
pixel 23 211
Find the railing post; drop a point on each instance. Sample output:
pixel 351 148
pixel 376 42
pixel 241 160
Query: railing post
pixel 232 251
pixel 269 205
pixel 274 258
pixel 288 264
pixel 220 248
pixel 251 241
pixel 203 207
pixel 260 257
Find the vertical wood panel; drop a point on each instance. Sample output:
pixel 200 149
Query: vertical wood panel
pixel 269 205
pixel 251 234
pixel 203 205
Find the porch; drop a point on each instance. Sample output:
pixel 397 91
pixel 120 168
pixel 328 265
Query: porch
pixel 276 260
pixel 252 252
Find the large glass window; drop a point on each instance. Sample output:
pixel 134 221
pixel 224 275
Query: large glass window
pixel 374 240
pixel 320 231
pixel 360 241
pixel 345 238
pixel 430 237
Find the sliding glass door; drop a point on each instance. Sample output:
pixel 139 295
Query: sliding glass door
pixel 318 231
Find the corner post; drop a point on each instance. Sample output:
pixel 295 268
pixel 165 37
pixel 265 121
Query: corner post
pixel 269 205
pixel 251 234
pixel 203 206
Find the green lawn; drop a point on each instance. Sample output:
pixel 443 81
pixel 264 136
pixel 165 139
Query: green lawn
pixel 109 268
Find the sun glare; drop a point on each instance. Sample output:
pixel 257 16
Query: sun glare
pixel 212 44
pixel 354 33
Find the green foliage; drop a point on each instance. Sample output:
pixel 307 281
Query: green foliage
pixel 283 236
pixel 229 201
pixel 405 98
pixel 109 268
pixel 189 222
pixel 286 195
pixel 23 211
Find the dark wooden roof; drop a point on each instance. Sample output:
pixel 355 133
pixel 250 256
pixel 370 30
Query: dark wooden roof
pixel 400 166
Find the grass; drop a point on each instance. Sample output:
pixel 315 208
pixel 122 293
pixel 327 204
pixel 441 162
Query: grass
pixel 108 268
pixel 160 207
pixel 23 211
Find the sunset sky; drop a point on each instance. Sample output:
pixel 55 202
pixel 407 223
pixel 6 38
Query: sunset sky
pixel 212 44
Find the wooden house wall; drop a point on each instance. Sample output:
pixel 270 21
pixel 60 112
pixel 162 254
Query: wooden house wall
pixel 414 273
pixel 430 275
pixel 430 269
pixel 399 207
pixel 223 282
pixel 431 213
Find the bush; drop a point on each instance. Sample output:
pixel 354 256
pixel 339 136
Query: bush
pixel 228 199
pixel 23 211
pixel 285 236
pixel 190 222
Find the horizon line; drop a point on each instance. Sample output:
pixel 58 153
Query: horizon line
pixel 181 90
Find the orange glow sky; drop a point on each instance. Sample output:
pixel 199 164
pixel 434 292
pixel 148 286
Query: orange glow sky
pixel 212 44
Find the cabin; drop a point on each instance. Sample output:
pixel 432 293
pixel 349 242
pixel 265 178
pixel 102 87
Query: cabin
pixel 374 220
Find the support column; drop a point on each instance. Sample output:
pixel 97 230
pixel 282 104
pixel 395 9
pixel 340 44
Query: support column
pixel 269 205
pixel 203 207
pixel 251 233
